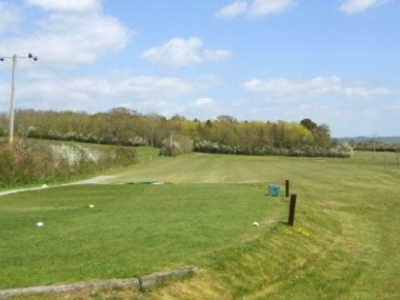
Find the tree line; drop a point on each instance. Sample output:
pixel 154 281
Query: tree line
pixel 374 145
pixel 225 134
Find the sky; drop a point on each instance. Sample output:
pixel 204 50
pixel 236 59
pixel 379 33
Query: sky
pixel 336 62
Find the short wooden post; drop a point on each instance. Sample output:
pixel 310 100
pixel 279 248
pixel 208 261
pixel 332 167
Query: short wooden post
pixel 287 185
pixel 292 209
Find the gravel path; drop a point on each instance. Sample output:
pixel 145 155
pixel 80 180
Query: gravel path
pixel 94 180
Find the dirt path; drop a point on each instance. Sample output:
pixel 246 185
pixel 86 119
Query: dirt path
pixel 94 180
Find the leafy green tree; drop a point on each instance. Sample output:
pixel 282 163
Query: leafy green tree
pixel 323 136
pixel 309 124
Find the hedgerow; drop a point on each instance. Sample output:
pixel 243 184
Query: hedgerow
pixel 340 150
pixel 26 161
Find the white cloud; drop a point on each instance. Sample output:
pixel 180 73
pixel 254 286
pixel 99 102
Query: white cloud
pixel 314 87
pixel 201 102
pixel 143 87
pixel 75 6
pixel 261 8
pixel 233 10
pixel 180 52
pixel 365 92
pixel 46 90
pixel 357 6
pixel 69 40
pixel 10 17
pixel 257 8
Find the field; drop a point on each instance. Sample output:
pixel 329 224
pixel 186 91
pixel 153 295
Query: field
pixel 344 244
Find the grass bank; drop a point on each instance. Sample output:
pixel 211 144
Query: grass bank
pixel 30 162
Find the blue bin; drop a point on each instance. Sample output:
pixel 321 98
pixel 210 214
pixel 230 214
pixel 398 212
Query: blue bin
pixel 274 190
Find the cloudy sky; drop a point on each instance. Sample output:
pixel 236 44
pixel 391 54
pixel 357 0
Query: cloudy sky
pixel 335 61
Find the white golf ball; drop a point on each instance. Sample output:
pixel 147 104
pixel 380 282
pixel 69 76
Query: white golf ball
pixel 91 206
pixel 39 224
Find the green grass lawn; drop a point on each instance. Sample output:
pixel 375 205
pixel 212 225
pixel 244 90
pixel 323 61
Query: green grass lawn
pixel 132 230
pixel 344 244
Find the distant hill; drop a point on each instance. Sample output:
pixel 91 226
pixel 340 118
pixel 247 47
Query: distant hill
pixel 386 140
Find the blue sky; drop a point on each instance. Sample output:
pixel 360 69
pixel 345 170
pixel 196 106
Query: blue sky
pixel 336 61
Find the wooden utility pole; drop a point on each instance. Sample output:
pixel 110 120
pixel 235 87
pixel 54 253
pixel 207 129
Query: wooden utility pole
pixel 14 59
pixel 12 101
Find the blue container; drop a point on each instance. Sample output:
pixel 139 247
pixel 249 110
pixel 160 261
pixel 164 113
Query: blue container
pixel 274 190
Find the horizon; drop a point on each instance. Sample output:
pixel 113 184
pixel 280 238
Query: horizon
pixel 257 60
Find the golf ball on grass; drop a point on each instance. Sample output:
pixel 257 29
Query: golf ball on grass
pixel 39 224
pixel 91 206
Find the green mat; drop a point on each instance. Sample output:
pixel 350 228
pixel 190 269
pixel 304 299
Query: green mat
pixel 144 181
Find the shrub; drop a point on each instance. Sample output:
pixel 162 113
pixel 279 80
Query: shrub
pixel 137 141
pixel 32 162
pixel 177 145
pixel 7 167
pixel 25 162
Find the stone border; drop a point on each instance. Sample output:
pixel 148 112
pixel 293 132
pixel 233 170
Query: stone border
pixel 150 281
pixel 142 283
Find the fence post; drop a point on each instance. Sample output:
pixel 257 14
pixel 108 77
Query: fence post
pixel 292 209
pixel 287 185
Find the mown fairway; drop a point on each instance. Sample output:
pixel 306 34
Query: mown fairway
pixel 345 244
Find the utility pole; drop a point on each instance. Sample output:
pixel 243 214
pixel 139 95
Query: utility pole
pixel 12 102
pixel 11 115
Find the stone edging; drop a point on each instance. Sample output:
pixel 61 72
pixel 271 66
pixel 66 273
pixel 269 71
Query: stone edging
pixel 142 283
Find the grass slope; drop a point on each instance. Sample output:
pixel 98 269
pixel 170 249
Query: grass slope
pixel 344 245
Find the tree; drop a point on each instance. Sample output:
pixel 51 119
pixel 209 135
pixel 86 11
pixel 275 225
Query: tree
pixel 322 136
pixel 226 118
pixel 309 124
pixel 178 117
pixel 123 111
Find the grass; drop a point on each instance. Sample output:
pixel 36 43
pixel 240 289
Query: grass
pixel 344 244
pixel 129 227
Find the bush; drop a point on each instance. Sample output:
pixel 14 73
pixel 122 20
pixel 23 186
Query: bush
pixel 27 161
pixel 2 132
pixel 177 145
pixel 7 167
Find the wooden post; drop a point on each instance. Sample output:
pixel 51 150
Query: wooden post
pixel 292 209
pixel 287 185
